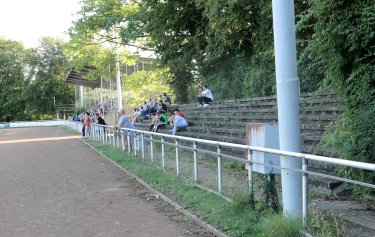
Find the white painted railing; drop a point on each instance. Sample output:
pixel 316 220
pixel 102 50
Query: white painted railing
pixel 105 134
pixel 41 123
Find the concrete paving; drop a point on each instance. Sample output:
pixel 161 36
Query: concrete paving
pixel 52 184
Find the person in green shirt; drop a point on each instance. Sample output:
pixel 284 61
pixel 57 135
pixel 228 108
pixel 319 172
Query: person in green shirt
pixel 163 121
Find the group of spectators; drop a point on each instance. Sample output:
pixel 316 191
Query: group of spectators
pixel 176 121
pixel 93 115
pixel 156 110
pixel 90 118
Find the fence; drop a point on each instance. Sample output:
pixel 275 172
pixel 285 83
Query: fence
pixel 138 138
pixel 41 123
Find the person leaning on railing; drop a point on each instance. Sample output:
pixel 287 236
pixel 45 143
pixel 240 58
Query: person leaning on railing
pixel 124 122
pixel 100 120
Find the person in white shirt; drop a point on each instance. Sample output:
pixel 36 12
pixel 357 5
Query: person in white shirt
pixel 205 97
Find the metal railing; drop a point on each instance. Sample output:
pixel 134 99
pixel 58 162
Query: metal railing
pixel 107 134
pixel 40 123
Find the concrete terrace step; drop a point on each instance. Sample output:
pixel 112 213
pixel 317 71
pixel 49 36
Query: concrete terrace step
pixel 214 106
pixel 217 131
pixel 262 118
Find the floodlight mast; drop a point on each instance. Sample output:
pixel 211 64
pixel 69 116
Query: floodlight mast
pixel 118 82
pixel 288 103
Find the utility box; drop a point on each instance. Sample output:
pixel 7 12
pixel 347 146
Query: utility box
pixel 267 136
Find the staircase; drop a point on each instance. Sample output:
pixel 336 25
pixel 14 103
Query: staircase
pixel 226 121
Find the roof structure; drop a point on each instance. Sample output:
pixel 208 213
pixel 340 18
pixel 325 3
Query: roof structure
pixel 77 78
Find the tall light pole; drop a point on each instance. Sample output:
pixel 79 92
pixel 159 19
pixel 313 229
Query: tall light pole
pixel 288 103
pixel 54 106
pixel 118 81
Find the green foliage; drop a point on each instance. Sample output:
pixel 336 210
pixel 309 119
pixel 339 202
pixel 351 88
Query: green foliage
pixel 279 225
pixel 344 39
pixel 237 219
pixel 326 225
pixel 142 85
pixel 31 78
pixel 50 66
pixel 12 80
pixel 229 46
pixel 352 139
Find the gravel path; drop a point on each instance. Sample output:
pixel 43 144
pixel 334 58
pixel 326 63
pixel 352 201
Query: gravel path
pixel 52 184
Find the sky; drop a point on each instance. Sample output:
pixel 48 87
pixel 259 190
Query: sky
pixel 30 20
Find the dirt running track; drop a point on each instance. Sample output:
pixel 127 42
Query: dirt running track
pixel 61 187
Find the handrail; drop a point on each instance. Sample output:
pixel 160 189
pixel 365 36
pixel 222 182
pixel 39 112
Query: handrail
pixel 336 161
pixel 126 133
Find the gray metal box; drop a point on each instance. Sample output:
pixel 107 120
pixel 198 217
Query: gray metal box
pixel 264 135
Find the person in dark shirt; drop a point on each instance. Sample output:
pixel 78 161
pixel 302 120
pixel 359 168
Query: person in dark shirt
pixel 166 99
pixel 101 121
pixel 162 107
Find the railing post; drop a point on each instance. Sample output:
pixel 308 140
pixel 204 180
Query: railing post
pixel 195 162
pixel 113 138
pixel 118 140
pixel 177 158
pixel 122 140
pixel 109 136
pixel 250 173
pixel 103 132
pixel 128 140
pixel 304 190
pixel 135 143
pixel 96 132
pixel 143 146
pixel 162 152
pixel 93 134
pixel 219 175
pixel 152 148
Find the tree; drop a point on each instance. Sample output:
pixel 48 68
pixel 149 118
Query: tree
pixel 13 75
pixel 50 66
pixel 344 39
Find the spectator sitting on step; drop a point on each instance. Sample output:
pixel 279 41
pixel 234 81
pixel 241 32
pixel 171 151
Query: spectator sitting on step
pixel 135 117
pixel 163 121
pixel 154 106
pixel 179 122
pixel 171 118
pixel 154 122
pixel 162 107
pixel 166 99
pixel 206 97
pixel 146 107
pixel 143 113
pixel 179 113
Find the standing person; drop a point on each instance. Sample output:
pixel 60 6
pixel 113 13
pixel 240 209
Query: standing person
pixel 87 125
pixel 179 122
pixel 124 122
pixel 205 97
pixel 100 120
